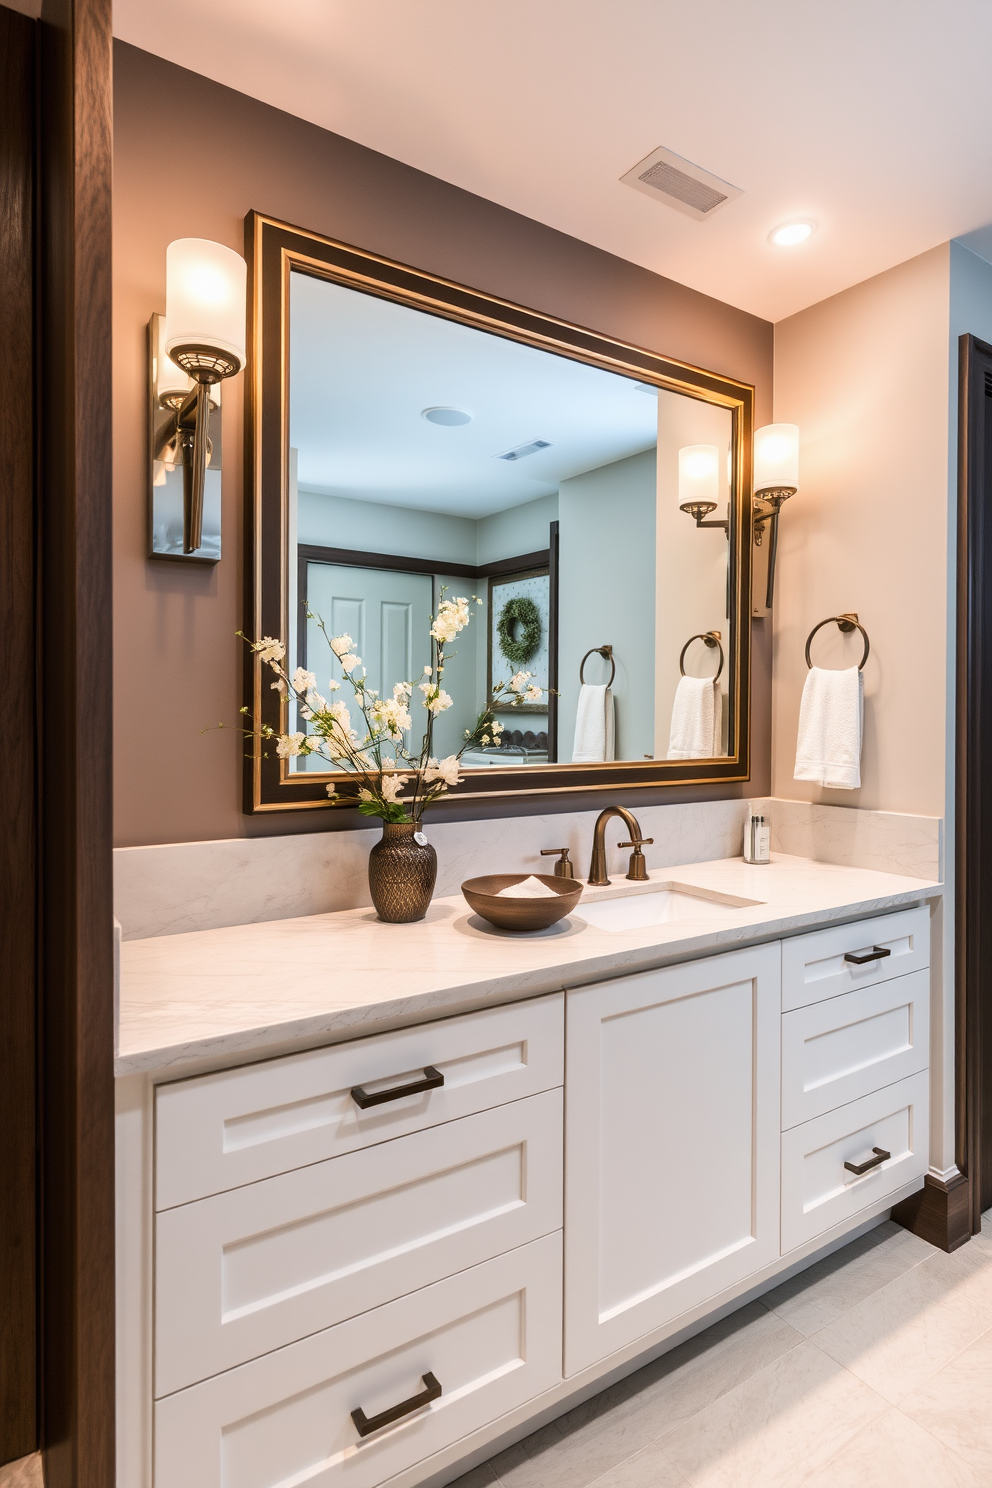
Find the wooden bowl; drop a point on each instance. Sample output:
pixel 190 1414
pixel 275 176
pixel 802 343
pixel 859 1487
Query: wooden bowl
pixel 483 894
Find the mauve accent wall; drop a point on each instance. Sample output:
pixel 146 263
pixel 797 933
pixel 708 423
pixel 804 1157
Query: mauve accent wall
pixel 176 659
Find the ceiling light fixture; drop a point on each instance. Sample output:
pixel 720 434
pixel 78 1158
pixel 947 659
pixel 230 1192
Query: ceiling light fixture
pixel 791 233
pixel 448 418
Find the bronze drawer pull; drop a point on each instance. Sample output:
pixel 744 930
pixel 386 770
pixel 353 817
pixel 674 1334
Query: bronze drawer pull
pixel 877 953
pixel 432 1079
pixel 880 1157
pixel 367 1424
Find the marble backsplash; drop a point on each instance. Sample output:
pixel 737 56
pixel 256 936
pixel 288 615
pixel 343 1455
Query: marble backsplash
pixel 177 887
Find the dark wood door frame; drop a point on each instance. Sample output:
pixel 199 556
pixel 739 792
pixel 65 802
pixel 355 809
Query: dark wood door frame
pixel 57 1347
pixel 973 854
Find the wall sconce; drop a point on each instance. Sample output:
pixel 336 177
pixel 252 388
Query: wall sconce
pixel 200 342
pixel 776 478
pixel 699 483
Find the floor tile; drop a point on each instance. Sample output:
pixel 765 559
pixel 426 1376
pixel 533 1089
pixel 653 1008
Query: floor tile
pixel 902 1335
pixel 894 1452
pixel 479 1477
pixel 840 1281
pixel 776 1428
pixel 649 1468
pixel 595 1437
pixel 955 1405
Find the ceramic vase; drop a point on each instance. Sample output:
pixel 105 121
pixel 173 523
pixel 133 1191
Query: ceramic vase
pixel 402 872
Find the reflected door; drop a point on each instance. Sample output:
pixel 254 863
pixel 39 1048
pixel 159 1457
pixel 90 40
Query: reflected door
pixel 387 615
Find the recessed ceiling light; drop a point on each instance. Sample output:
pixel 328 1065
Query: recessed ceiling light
pixel 791 233
pixel 450 418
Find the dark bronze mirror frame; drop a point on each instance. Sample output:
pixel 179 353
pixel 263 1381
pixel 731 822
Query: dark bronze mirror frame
pixel 274 249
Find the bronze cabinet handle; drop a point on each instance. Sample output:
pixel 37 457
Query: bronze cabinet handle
pixel 367 1424
pixel 362 1097
pixel 880 1157
pixel 877 953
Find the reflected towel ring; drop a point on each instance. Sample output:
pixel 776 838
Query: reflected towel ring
pixel 607 653
pixel 845 623
pixel 709 638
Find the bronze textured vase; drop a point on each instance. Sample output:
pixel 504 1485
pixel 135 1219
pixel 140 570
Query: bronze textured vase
pixel 402 871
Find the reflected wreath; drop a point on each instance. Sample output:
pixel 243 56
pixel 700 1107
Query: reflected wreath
pixel 524 613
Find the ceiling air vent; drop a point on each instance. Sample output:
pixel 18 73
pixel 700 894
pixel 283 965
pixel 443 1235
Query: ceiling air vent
pixel 522 450
pixel 680 184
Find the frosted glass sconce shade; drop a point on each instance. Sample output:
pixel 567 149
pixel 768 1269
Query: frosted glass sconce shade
pixel 699 474
pixel 776 458
pixel 205 294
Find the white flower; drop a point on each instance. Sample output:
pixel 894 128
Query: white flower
pixel 289 744
pixel 446 770
pixel 437 700
pixel 533 694
pixel 279 686
pixel 332 790
pixel 332 685
pixel 269 650
pixel 349 661
pixel 497 728
pixel 391 714
pixel 340 644
pixel 402 691
pixel 303 680
pixel 427 672
pixel 390 788
pixel 519 680
pixel 452 617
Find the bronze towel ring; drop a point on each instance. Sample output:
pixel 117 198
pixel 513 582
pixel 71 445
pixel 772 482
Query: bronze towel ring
pixel 709 638
pixel 607 653
pixel 845 623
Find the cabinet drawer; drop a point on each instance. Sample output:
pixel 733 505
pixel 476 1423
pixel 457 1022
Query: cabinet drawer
pixel 218 1131
pixel 244 1272
pixel 491 1336
pixel 814 968
pixel 836 1051
pixel 818 1191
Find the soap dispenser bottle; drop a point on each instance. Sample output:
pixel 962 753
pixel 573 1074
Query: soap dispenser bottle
pixel 757 836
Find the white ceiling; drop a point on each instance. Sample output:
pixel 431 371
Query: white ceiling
pixel 363 369
pixel 873 117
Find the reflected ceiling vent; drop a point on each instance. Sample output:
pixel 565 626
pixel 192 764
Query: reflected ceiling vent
pixel 680 184
pixel 523 450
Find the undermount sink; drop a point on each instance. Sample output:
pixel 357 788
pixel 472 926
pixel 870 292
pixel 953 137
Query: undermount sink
pixel 669 903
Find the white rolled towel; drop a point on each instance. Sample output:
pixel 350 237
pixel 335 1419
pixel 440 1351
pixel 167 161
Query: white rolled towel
pixel 594 725
pixel 831 725
pixel 697 721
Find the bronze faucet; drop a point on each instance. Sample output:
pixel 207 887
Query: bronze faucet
pixel 638 868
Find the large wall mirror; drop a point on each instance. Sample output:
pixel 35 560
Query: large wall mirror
pixel 409 437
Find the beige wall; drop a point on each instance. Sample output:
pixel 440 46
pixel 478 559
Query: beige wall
pixel 177 662
pixel 865 376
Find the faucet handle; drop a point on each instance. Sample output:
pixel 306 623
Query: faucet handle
pixel 638 868
pixel 563 867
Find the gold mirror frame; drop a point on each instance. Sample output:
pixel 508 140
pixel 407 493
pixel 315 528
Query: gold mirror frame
pixel 275 249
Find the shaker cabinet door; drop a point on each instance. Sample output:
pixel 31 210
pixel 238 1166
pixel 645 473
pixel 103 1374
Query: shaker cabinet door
pixel 672 1144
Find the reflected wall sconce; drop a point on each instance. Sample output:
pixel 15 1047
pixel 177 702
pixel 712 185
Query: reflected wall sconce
pixel 197 345
pixel 776 478
pixel 699 483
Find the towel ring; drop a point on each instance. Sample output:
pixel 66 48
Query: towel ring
pixel 709 638
pixel 845 623
pixel 607 653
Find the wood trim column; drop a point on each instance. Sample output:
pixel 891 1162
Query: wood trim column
pixel 77 1027
pixel 18 729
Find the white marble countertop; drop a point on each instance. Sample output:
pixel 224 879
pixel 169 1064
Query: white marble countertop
pixel 211 998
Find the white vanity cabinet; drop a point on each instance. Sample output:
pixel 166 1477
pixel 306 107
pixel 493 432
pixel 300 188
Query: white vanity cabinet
pixel 672 1155
pixel 371 1259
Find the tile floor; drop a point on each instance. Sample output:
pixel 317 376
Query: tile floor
pixel 873 1369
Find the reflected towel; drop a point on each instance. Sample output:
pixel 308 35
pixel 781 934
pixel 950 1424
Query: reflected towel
pixel 831 722
pixel 697 719
pixel 594 726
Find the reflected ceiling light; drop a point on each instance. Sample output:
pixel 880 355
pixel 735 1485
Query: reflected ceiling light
pixel 791 233
pixel 448 418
